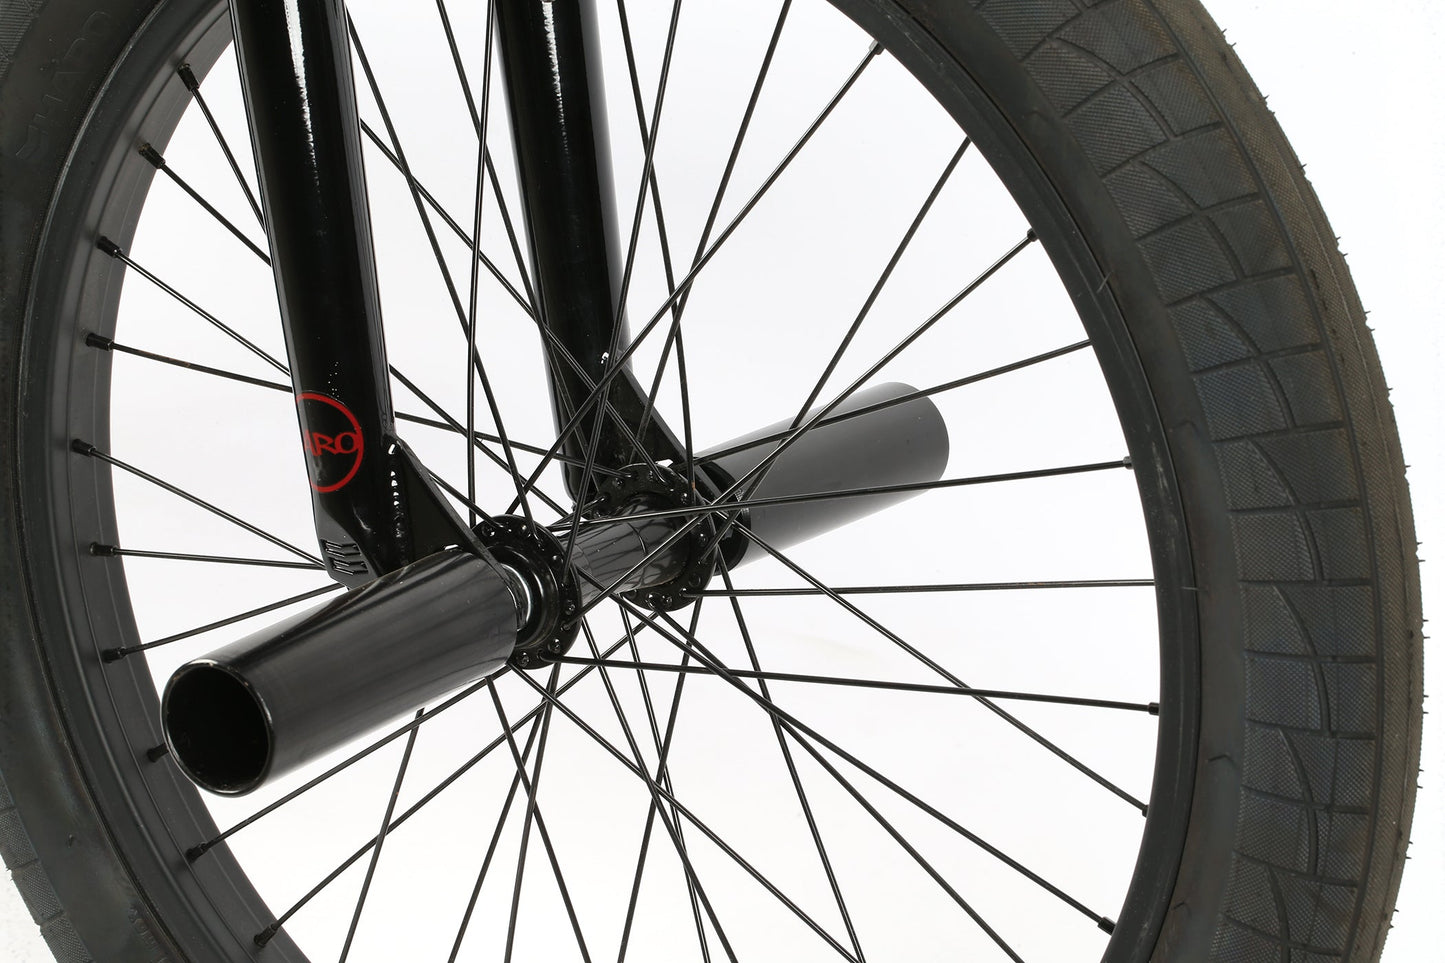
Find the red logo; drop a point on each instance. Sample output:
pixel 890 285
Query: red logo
pixel 332 438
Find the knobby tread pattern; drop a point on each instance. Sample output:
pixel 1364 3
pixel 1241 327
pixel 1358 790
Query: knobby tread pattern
pixel 34 886
pixel 1190 189
pixel 1279 367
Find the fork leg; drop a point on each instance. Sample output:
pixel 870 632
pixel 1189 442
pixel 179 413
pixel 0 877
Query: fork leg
pixel 553 77
pixel 375 509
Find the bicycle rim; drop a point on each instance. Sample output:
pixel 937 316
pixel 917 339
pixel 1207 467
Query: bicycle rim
pixel 786 891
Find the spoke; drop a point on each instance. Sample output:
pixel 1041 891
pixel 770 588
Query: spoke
pixel 154 158
pixel 751 478
pixel 195 852
pixel 380 838
pixel 674 332
pixel 936 667
pixel 913 589
pixel 731 508
pixel 904 399
pixel 1152 708
pixel 754 476
pixel 451 424
pixel 734 510
pixel 797 729
pixel 687 814
pixel 115 551
pixel 111 248
pixel 797 781
pixel 111 655
pixel 188 77
pixel 674 829
pixel 615 340
pixel 426 222
pixel 461 72
pixel 619 362
pixel 84 448
pixel 496 832
pixel 534 813
pixel 879 284
pixel 523 301
pixel 473 282
pixel 667 271
pixel 664 748
pixel 107 344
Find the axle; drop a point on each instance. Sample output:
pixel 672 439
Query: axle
pixel 279 698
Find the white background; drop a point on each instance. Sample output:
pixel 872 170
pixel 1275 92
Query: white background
pixel 1361 93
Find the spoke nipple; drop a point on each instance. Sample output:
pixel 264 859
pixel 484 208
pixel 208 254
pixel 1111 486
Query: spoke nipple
pixel 103 551
pixel 93 340
pixel 152 155
pixel 1153 708
pixel 266 935
pixel 197 851
pixel 188 77
pixel 111 655
pixel 1128 462
pixel 157 753
pixel 1106 924
pixel 876 48
pixel 1031 236
pixel 109 246
pixel 82 447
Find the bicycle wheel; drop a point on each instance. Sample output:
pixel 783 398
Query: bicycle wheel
pixel 1252 639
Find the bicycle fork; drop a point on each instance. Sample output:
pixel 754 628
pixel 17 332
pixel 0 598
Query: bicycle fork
pixel 435 603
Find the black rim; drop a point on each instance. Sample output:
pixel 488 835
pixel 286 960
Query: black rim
pixel 103 193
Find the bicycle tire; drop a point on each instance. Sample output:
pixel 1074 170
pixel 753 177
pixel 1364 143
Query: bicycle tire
pixel 1221 269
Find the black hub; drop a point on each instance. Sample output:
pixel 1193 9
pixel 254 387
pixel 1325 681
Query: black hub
pixel 545 585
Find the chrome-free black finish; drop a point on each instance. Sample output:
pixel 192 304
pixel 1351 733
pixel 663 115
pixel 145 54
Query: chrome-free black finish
pixel 901 444
pixel 549 56
pixel 263 705
pixel 375 509
pixel 283 696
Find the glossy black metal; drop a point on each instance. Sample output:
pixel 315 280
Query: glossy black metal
pixel 375 510
pixel 895 445
pixel 270 702
pixel 285 695
pixel 554 89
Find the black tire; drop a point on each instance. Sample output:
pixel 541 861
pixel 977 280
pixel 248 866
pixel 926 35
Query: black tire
pixel 1183 225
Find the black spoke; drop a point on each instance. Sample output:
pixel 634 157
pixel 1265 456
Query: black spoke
pixel 687 814
pixel 120 652
pixel 451 424
pixel 731 592
pixel 154 158
pixel 905 398
pixel 679 306
pixel 426 222
pixel 619 362
pixel 109 247
pixel 797 729
pixel 629 261
pixel 730 508
pixel 497 831
pixel 380 838
pixel 534 815
pixel 195 852
pixel 793 775
pixel 1152 708
pixel 84 448
pixel 101 550
pixel 664 748
pixel 188 77
pixel 923 659
pixel 880 283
